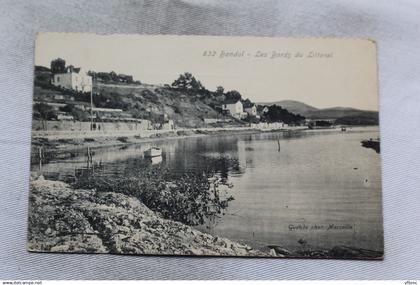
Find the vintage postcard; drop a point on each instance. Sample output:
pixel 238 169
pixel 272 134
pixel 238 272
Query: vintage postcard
pixel 209 146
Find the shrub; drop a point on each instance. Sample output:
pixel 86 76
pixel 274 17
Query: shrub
pixel 189 197
pixel 122 139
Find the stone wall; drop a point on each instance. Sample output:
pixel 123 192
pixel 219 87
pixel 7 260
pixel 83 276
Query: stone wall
pixel 76 126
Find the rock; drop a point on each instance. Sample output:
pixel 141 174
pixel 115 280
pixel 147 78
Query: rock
pixel 279 250
pixel 195 251
pixel 86 221
pixel 342 251
pixel 60 248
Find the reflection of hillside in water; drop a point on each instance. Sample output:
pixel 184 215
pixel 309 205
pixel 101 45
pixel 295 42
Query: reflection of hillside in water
pixel 225 155
pixel 218 154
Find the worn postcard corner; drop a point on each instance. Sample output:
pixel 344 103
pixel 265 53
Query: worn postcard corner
pixel 210 146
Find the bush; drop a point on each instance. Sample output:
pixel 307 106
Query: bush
pixel 44 112
pixel 189 198
pixel 122 139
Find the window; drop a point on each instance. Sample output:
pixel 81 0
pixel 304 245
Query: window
pixel 58 78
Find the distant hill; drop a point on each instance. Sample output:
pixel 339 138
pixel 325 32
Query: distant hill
pixel 293 106
pixel 339 112
pixel 310 112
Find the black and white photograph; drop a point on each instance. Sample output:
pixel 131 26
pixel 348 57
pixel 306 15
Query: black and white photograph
pixel 205 146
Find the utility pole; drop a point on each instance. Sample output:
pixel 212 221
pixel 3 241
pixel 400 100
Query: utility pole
pixel 91 104
pixel 91 107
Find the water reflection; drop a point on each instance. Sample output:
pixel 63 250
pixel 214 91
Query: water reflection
pixel 317 177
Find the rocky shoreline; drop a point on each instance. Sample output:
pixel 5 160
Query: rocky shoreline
pixel 62 219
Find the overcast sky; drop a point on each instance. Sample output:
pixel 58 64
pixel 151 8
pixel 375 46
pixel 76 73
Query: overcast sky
pixel 347 78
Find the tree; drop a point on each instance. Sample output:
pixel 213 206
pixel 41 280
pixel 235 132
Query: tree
pixel 58 66
pixel 233 95
pixel 44 112
pixel 67 108
pixel 278 114
pixel 247 103
pixel 220 90
pixel 187 81
pixel 80 115
pixel 114 76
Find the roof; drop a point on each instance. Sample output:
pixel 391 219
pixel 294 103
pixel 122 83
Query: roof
pixel 249 105
pixel 106 110
pixel 73 69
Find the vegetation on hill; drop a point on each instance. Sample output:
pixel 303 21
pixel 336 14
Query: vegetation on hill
pixel 359 120
pixel 152 102
pixel 276 113
pixel 347 116
pixel 293 106
pixel 186 101
pixel 58 66
pixel 113 77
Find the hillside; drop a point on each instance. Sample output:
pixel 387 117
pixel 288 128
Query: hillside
pixel 151 102
pixel 339 112
pixel 186 102
pixel 139 101
pixel 119 98
pixel 349 114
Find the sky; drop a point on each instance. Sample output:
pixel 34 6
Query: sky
pixel 340 72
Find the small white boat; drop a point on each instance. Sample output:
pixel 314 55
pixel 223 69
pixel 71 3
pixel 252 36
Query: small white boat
pixel 152 152
pixel 156 159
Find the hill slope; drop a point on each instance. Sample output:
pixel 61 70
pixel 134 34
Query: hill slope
pixel 293 106
pixel 151 101
pixel 339 112
pixel 310 112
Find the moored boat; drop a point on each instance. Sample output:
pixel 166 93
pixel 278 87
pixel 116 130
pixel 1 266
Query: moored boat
pixel 374 144
pixel 153 152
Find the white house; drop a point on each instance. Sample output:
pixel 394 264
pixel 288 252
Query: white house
pixel 234 108
pixel 73 78
pixel 169 125
pixel 251 110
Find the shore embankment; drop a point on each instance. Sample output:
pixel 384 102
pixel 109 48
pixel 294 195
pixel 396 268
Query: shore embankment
pixel 59 141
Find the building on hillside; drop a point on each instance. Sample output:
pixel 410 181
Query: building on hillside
pixel 54 97
pixel 169 125
pixel 269 126
pixel 251 110
pixel 234 108
pixel 106 113
pixel 62 116
pixel 125 78
pixel 265 110
pixel 74 79
pixel 54 106
pixel 217 120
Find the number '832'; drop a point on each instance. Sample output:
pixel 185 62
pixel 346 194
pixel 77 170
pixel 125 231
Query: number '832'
pixel 209 53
